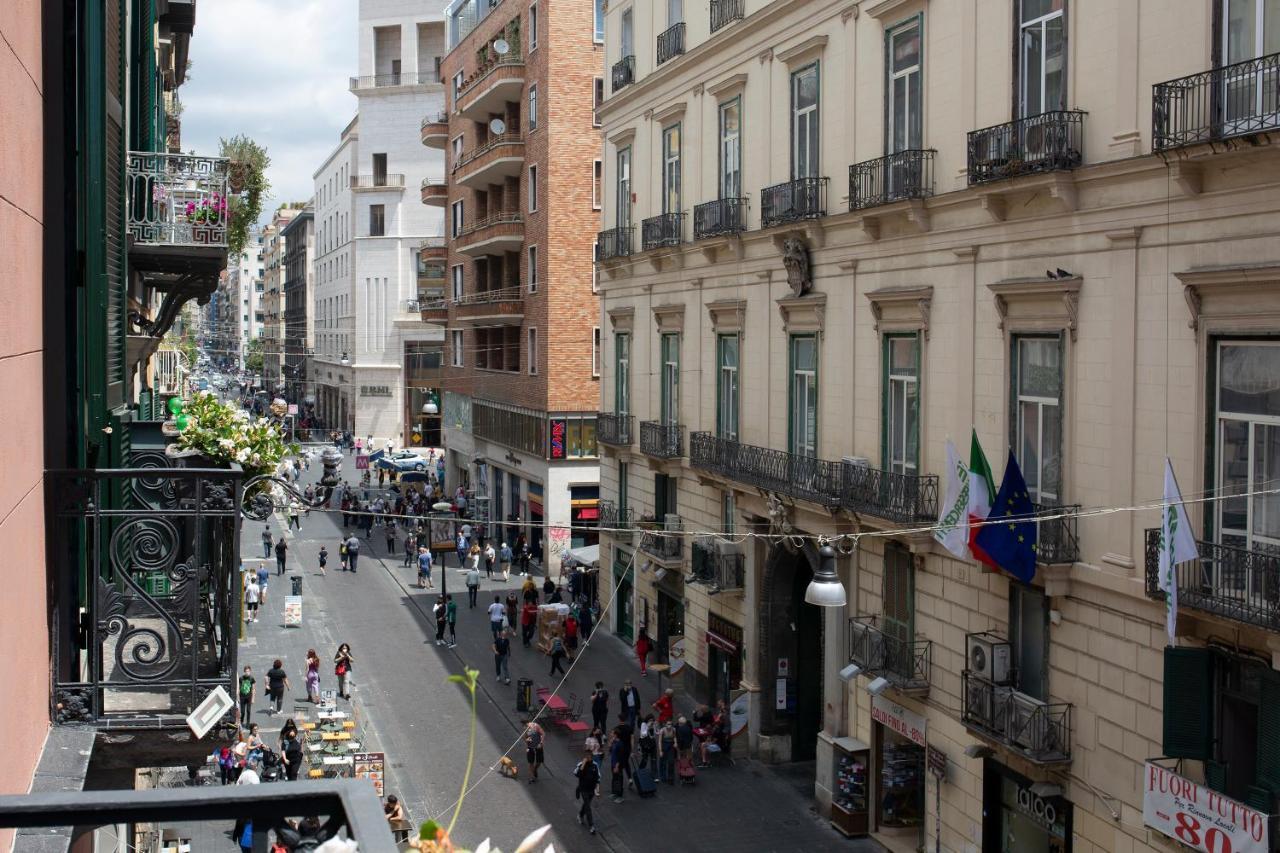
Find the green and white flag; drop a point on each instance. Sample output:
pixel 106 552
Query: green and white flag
pixel 952 531
pixel 1177 545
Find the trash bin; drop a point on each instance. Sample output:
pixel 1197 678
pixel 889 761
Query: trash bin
pixel 524 694
pixel 296 580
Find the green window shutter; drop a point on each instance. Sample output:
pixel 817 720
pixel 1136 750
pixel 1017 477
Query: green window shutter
pixel 1268 772
pixel 1188 703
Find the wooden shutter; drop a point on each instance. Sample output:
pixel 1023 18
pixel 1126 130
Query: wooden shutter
pixel 113 212
pixel 1268 772
pixel 1188 703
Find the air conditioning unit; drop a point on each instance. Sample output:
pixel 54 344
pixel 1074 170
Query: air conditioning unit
pixel 1028 726
pixel 987 656
pixel 988 705
pixel 867 646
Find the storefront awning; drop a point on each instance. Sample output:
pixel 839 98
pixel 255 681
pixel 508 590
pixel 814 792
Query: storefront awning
pixel 720 642
pixel 586 513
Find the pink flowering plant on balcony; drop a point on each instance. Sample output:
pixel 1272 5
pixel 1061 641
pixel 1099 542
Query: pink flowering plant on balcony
pixel 208 211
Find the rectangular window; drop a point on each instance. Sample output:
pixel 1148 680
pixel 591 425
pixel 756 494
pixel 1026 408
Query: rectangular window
pixel 595 266
pixel 532 189
pixel 670 373
pixel 671 169
pixel 803 434
pixel 533 26
pixel 595 352
pixel 901 402
pixel 665 496
pixel 728 512
pixel 624 188
pixel 1037 414
pixel 675 12
pixel 727 386
pixel 597 179
pixel 903 87
pixel 624 473
pixel 1029 639
pixel 622 373
pixel 598 30
pixel 597 101
pixel 455 228
pixel 730 185
pixel 533 107
pixel 457 150
pixel 899 607
pixel 804 123
pixel 379 170
pixel 1042 56
pixel 626 34
pixel 456 272
pixel 457 87
pixel 377 220
pixel 532 271
pixel 533 351
pixel 455 347
pixel 1247 457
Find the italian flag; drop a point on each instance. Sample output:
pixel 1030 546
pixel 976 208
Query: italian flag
pixel 982 489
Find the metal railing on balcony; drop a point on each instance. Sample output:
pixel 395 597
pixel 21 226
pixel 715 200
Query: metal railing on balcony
pixel 616 429
pixel 662 441
pixel 1057 534
pixel 661 231
pixel 616 521
pixel 794 201
pixel 720 569
pixel 725 12
pixel 160 550
pixel 177 199
pixel 896 177
pixel 364 182
pixel 492 143
pixel 623 73
pixel 614 243
pixel 663 540
pixel 671 42
pixel 403 78
pixel 1221 103
pixel 890 495
pixel 1235 583
pixel 904 663
pixel 719 217
pixel 508 217
pixel 1038 731
pixel 435 118
pixel 485 297
pixel 1049 142
pixel 472 84
pixel 804 477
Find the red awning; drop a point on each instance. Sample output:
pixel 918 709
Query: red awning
pixel 721 642
pixel 587 513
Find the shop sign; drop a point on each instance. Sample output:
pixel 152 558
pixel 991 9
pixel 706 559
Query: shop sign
pixel 292 610
pixel 898 719
pixel 371 766
pixel 558 427
pixel 1200 818
pixel 1041 810
pixel 937 761
pixel 362 462
pixel 375 390
pixel 675 654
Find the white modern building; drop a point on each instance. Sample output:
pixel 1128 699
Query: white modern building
pixel 248 278
pixel 368 229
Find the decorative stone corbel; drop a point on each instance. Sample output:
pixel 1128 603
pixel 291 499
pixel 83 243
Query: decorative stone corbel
pixel 994 206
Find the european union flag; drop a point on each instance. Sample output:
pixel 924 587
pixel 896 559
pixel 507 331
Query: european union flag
pixel 1009 536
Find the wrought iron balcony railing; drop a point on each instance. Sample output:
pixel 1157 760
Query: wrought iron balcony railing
pixel 722 570
pixel 614 243
pixel 794 201
pixel 616 429
pixel 404 78
pixel 364 182
pixel 1049 142
pixel 719 217
pixel 1235 583
pixel 890 495
pixel 1221 103
pixel 671 42
pixel 490 144
pixel 438 117
pixel 896 177
pixel 904 663
pixel 1057 538
pixel 484 297
pixel 804 477
pixel 156 628
pixel 177 200
pixel 725 12
pixel 661 231
pixel 623 73
pixel 618 522
pixel 664 540
pixel 1038 731
pixel 662 441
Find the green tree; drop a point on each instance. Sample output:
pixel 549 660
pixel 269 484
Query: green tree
pixel 253 356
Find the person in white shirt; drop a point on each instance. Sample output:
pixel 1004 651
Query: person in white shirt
pixel 497 613
pixel 252 594
pixel 249 775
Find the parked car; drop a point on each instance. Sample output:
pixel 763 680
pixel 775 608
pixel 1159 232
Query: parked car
pixel 406 460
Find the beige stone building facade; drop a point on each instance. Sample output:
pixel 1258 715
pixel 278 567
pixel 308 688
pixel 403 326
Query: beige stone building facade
pixel 839 234
pixel 273 304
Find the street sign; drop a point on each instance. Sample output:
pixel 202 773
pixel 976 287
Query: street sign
pixel 937 761
pixel 293 408
pixel 362 462
pixel 208 712
pixel 293 610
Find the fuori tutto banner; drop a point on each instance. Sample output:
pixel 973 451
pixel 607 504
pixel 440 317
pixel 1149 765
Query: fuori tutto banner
pixel 1200 817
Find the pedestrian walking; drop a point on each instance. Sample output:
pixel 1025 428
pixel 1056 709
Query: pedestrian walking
pixel 643 646
pixel 501 655
pixel 247 691
pixel 490 556
pixel 667 752
pixel 594 744
pixel 648 741
pixel 295 515
pixel 600 707
pixel 440 612
pixel 529 591
pixel 263 577
pixel 588 789
pixel 461 546
pixel 528 622
pixel 473 557
pixel 629 703
pixel 505 557
pixel 252 593
pixel 585 622
pixel 513 611
pixel 665 705
pixel 557 655
pixel 343 662
pixel 292 756
pixel 266 541
pixel 473 588
pixel 342 554
pixel 571 634
pixel 392 534
pixel 323 557
pixel 282 551
pixel 353 552
pixel 277 684
pixel 313 676
pixel 497 615
pixel 534 737
pixel 424 568
pixel 451 616
pixel 620 758
pixel 410 548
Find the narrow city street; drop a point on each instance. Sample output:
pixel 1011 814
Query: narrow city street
pixel 407 709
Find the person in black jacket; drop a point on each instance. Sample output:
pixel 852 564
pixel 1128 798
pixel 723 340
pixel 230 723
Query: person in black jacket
pixel 292 756
pixel 600 707
pixel 629 703
pixel 588 789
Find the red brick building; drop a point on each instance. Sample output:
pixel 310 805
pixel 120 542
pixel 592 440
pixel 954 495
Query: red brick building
pixel 522 200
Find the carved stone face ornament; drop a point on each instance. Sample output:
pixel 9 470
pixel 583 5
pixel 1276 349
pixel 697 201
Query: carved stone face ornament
pixel 795 257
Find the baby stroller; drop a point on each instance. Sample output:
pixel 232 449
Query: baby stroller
pixel 685 771
pixel 272 766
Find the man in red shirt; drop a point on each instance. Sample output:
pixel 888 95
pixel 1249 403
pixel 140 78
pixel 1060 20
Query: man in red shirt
pixel 528 619
pixel 663 706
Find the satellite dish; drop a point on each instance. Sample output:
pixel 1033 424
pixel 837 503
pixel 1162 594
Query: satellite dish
pixel 501 47
pixel 497 127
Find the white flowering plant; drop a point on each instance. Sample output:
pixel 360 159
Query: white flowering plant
pixel 225 433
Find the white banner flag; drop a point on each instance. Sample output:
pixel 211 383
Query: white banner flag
pixel 952 531
pixel 1177 545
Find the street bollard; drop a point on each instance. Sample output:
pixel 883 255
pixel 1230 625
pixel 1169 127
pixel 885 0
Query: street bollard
pixel 524 695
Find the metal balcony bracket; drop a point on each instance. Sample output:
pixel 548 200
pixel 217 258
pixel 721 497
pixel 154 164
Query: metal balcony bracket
pixel 178 292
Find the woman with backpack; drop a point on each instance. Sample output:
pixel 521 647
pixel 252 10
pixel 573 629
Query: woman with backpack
pixel 557 654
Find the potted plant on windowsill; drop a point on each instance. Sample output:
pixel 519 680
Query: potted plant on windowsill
pixel 647 522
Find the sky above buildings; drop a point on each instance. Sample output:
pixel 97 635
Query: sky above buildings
pixel 277 71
